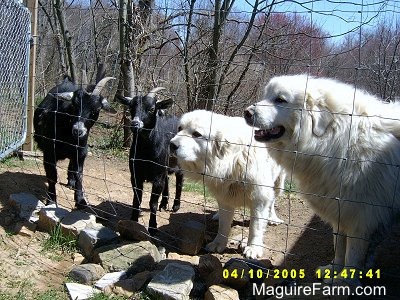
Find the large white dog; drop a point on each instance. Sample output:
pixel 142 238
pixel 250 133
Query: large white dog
pixel 221 152
pixel 342 146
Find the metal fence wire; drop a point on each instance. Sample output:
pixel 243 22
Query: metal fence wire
pixel 15 34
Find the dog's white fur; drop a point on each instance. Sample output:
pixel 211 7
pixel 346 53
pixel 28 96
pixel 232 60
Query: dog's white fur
pixel 221 152
pixel 342 146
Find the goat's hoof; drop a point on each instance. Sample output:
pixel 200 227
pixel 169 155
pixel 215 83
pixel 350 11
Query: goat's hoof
pixel 81 204
pixel 176 207
pixel 71 184
pixel 162 207
pixel 153 231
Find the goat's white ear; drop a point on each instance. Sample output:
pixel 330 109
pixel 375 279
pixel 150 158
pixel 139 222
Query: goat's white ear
pixel 123 100
pixel 164 104
pixel 64 96
pixel 106 106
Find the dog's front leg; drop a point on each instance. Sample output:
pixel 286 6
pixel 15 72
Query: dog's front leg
pixel 224 227
pixel 258 222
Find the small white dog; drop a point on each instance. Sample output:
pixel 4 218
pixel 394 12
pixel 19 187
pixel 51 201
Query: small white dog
pixel 221 152
pixel 342 145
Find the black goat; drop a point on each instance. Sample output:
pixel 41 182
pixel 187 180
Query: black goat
pixel 149 157
pixel 62 122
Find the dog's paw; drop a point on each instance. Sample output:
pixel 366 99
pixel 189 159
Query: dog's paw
pixel 275 221
pixel 350 282
pixel 253 252
pixel 328 269
pixel 216 246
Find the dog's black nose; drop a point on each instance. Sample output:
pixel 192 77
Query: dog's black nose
pixel 247 114
pixel 173 147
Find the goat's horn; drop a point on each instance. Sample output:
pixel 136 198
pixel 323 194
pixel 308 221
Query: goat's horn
pixel 154 91
pixel 100 85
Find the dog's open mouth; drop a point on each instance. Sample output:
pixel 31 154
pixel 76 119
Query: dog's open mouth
pixel 264 135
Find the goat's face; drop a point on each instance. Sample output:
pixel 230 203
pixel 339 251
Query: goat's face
pixel 145 110
pixel 85 108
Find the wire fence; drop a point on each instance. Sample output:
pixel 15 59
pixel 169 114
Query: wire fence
pixel 14 64
pixel 357 43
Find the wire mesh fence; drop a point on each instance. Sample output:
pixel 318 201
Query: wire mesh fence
pixel 225 69
pixel 14 64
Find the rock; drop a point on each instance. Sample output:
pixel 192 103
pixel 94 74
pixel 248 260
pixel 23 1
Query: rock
pixel 174 282
pixel 193 260
pixel 79 291
pixel 74 222
pixel 125 287
pixel 140 279
pixel 50 216
pixel 133 258
pixel 132 230
pixel 95 236
pixel 209 263
pixel 86 273
pixel 237 273
pixel 26 228
pixel 77 258
pixel 215 277
pixel 192 237
pixel 109 279
pixel 221 292
pixel 26 205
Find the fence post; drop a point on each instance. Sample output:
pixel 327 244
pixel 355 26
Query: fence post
pixel 32 5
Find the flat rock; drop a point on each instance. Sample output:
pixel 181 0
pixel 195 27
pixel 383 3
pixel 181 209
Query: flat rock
pixel 50 216
pixel 86 273
pixel 26 205
pixel 174 282
pixel 221 292
pixel 79 291
pixel 192 237
pixel 75 221
pixel 133 257
pixel 109 279
pixel 132 230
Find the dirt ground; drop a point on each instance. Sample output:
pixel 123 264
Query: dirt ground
pixel 302 242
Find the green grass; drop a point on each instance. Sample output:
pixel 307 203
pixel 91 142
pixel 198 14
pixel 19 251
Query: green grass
pixel 57 241
pixel 290 186
pixel 199 188
pixel 15 162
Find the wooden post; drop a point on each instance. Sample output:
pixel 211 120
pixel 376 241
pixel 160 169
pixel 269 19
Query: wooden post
pixel 32 5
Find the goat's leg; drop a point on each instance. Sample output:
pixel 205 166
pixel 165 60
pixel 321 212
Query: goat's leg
pixel 165 195
pixel 158 187
pixel 49 163
pixel 71 175
pixel 178 191
pixel 137 187
pixel 80 201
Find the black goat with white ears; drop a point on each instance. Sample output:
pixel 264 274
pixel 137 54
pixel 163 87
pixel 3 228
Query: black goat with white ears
pixel 149 157
pixel 62 122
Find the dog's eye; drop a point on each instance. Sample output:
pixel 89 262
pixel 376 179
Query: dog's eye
pixel 196 134
pixel 280 100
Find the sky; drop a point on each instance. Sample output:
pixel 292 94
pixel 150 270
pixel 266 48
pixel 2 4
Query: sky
pixel 339 17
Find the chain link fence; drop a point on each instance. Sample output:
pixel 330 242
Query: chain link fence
pixel 15 29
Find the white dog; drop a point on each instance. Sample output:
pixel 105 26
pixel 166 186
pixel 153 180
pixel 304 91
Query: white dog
pixel 221 152
pixel 342 146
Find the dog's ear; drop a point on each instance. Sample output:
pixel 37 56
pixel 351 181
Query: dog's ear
pixel 219 146
pixel 320 116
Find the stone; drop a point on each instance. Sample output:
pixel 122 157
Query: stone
pixel 74 222
pixel 26 205
pixel 209 263
pixel 50 216
pixel 25 228
pixel 192 237
pixel 109 279
pixel 174 282
pixel 221 292
pixel 86 273
pixel 79 291
pixel 193 260
pixel 125 287
pixel 95 236
pixel 140 279
pixel 236 273
pixel 132 230
pixel 133 257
